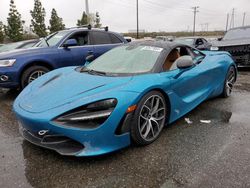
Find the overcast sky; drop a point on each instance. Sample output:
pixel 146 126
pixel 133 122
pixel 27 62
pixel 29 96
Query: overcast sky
pixel 154 15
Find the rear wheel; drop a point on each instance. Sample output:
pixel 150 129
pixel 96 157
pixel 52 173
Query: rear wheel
pixel 229 82
pixel 32 73
pixel 149 118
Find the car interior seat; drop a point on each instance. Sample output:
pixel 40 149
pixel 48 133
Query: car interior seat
pixel 172 57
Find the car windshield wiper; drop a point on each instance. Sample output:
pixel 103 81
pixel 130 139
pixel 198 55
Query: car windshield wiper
pixel 91 71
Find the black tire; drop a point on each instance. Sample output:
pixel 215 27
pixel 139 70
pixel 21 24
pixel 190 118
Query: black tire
pixel 229 82
pixel 136 130
pixel 26 76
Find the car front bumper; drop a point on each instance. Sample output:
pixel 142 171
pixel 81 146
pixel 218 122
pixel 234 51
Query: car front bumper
pixel 11 75
pixel 73 141
pixel 61 144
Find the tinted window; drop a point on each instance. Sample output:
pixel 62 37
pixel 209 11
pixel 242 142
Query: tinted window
pixel 82 38
pixel 101 38
pixel 114 39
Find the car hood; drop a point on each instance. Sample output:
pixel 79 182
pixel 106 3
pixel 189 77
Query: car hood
pixel 224 43
pixel 23 52
pixel 64 86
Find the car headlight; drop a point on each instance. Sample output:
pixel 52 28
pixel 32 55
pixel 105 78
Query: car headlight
pixel 214 48
pixel 88 116
pixel 7 62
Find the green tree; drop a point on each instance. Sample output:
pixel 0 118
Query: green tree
pixel 14 28
pixel 38 19
pixel 56 23
pixel 97 20
pixel 84 20
pixel 1 32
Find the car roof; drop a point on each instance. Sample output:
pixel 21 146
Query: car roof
pixel 86 29
pixel 242 27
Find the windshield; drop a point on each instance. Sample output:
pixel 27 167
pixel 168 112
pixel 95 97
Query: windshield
pixel 52 39
pixel 126 60
pixel 187 41
pixel 10 46
pixel 240 33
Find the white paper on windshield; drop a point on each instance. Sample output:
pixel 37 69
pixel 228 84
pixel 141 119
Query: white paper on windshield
pixel 152 48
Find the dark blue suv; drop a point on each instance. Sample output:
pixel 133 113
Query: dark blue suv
pixel 64 48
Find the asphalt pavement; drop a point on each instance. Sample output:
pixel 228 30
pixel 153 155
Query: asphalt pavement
pixel 189 153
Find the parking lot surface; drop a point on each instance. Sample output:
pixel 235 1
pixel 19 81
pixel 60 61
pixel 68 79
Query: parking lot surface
pixel 195 154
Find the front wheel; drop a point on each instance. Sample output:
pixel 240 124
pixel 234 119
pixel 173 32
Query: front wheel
pixel 32 73
pixel 149 118
pixel 229 82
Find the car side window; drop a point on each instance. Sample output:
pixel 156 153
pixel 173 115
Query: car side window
pixel 196 55
pixel 114 39
pixel 82 38
pixel 100 38
pixel 204 41
pixel 199 42
pixel 170 62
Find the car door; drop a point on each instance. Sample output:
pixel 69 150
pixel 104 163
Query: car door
pixel 189 85
pixel 75 55
pixel 103 41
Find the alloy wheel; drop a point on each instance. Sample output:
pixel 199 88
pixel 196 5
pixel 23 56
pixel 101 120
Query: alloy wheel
pixel 34 75
pixel 152 117
pixel 230 81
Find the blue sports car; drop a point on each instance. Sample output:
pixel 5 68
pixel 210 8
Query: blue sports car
pixel 125 96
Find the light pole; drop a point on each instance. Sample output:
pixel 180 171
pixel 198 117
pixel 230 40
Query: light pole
pixel 87 7
pixel 195 12
pixel 137 20
pixel 244 16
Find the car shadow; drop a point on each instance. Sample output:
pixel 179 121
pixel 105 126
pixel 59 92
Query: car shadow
pixel 9 94
pixel 243 69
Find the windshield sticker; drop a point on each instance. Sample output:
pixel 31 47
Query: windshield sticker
pixel 152 48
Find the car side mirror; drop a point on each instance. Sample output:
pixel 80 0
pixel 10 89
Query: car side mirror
pixel 89 59
pixel 219 39
pixel 128 40
pixel 70 42
pixel 184 62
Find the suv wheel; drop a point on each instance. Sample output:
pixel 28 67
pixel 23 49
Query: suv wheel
pixel 31 74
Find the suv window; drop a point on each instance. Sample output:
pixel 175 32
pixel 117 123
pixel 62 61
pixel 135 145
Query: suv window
pixel 101 37
pixel 114 39
pixel 82 38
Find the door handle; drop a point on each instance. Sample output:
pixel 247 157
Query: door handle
pixel 90 52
